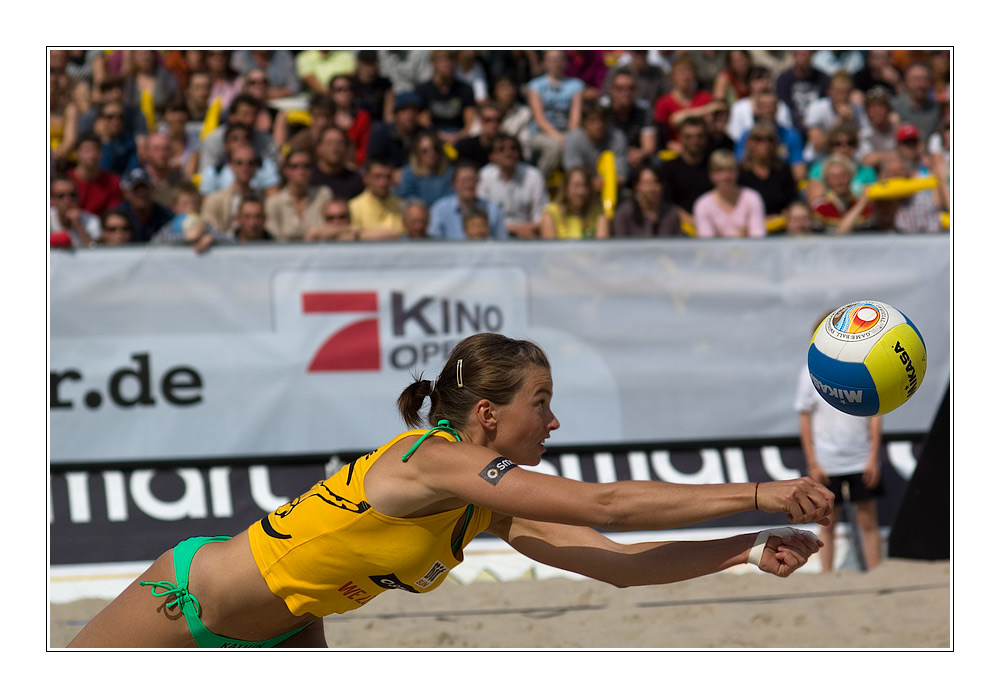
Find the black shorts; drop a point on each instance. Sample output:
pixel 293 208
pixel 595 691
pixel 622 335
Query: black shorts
pixel 857 489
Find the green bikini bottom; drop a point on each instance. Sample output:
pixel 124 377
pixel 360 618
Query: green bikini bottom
pixel 203 637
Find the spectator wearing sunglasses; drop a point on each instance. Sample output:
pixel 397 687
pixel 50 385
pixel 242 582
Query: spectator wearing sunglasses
pixel 315 68
pixel 479 147
pixel 214 178
pixel 428 174
pixel 112 89
pixel 299 206
pixel 632 116
pixel 116 229
pixel 336 223
pixel 789 140
pixel 763 171
pixel 67 221
pixel 119 152
pixel 843 140
pixel 220 207
pixel 835 109
pixel 278 68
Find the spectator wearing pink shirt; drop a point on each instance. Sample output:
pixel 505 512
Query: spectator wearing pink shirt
pixel 728 210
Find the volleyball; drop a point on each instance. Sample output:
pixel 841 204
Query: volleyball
pixel 867 358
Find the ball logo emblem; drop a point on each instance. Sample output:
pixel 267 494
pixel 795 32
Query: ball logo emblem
pixel 857 321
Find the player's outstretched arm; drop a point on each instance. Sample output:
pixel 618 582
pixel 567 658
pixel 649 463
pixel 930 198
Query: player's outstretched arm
pixel 460 471
pixel 588 552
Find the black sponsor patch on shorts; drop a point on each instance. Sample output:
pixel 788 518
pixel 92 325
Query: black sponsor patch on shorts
pixel 496 469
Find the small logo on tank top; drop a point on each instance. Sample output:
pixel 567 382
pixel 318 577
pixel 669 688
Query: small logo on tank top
pixel 437 569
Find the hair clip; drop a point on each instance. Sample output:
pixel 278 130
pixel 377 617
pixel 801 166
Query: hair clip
pixel 458 372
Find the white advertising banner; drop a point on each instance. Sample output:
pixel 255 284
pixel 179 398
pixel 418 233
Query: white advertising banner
pixel 302 349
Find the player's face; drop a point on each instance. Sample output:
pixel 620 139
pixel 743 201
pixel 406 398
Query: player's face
pixel 525 423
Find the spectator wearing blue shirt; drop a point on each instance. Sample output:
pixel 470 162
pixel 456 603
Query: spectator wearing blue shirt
pixel 447 215
pixel 790 142
pixel 119 153
pixel 428 175
pixel 555 102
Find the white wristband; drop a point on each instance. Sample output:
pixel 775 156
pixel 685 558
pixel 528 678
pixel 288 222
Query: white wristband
pixel 761 541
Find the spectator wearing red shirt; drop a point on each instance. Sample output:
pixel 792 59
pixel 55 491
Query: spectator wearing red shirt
pixel 97 190
pixel 683 101
pixel 355 122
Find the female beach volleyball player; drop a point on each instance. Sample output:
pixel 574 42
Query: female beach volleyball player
pixel 399 517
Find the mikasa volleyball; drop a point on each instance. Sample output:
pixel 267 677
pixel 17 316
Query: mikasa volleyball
pixel 867 358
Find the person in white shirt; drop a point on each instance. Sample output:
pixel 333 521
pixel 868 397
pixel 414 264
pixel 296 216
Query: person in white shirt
pixel 742 112
pixel 842 450
pixel 516 187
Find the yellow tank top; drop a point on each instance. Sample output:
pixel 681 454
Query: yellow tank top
pixel 573 226
pixel 328 551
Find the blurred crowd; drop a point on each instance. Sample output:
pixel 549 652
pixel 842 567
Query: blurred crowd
pixel 210 147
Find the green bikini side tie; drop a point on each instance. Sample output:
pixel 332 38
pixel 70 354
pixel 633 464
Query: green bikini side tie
pixel 443 425
pixel 181 594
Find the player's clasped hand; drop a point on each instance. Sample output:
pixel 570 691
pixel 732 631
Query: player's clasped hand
pixel 785 554
pixel 803 500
